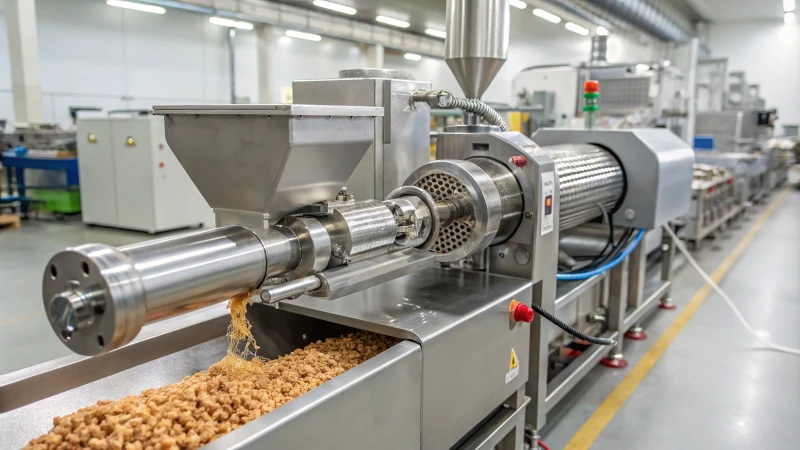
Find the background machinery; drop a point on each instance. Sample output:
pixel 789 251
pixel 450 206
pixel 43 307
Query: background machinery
pixel 448 259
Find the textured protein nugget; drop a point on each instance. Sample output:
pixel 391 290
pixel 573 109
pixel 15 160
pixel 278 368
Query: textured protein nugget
pixel 206 405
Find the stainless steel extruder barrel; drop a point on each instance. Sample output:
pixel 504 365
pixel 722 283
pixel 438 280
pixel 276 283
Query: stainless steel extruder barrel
pixel 98 297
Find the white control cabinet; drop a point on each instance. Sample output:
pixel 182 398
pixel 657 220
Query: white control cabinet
pixel 131 179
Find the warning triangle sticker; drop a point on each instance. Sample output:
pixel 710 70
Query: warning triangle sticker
pixel 514 363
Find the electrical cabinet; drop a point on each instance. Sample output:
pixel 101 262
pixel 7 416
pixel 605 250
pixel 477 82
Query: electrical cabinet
pixel 131 179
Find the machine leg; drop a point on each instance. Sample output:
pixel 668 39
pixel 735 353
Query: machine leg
pixel 636 333
pixel 614 361
pixel 667 303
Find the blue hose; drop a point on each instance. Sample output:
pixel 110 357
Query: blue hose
pixel 609 265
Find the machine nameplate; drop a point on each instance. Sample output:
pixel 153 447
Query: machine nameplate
pixel 548 191
pixel 513 367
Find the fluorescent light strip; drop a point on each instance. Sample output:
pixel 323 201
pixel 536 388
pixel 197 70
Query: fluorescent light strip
pixel 393 22
pixel 436 33
pixel 550 17
pixel 230 23
pixel 602 31
pixel 136 6
pixel 788 5
pixel 518 4
pixel 575 28
pixel 301 35
pixel 788 17
pixel 642 67
pixel 335 7
pixel 412 56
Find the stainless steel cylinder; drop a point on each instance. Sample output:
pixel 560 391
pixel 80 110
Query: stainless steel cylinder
pixel 290 289
pixel 588 176
pixel 97 297
pixel 359 227
pixel 510 196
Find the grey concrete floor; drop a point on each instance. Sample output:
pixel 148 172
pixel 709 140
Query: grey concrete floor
pixel 715 387
pixel 25 335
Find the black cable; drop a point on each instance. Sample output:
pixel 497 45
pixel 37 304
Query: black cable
pixel 557 322
pixel 615 250
pixel 594 259
pixel 610 228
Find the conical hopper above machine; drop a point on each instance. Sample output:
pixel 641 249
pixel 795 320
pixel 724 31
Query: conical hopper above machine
pixel 477 42
pixel 268 159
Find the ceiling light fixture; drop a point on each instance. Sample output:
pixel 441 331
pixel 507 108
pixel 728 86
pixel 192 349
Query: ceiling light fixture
pixel 335 7
pixel 301 35
pixel 136 6
pixel 393 22
pixel 666 63
pixel 575 28
pixel 230 23
pixel 412 56
pixel 788 17
pixel 550 17
pixel 518 4
pixel 642 67
pixel 436 33
pixel 788 5
pixel 601 31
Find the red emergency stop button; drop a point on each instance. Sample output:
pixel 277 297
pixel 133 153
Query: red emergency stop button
pixel 521 312
pixel 591 86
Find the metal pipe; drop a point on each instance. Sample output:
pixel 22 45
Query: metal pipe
pixel 290 289
pixel 648 17
pixel 232 62
pixel 98 297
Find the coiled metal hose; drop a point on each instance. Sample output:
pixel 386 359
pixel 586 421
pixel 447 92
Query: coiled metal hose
pixel 445 99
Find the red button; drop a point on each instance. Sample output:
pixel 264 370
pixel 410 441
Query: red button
pixel 591 86
pixel 161 165
pixel 518 160
pixel 523 313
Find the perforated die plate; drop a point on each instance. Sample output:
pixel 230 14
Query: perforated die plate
pixel 445 187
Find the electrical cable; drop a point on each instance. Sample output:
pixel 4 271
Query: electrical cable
pixel 564 326
pixel 610 223
pixel 615 250
pixel 728 301
pixel 584 275
pixel 542 444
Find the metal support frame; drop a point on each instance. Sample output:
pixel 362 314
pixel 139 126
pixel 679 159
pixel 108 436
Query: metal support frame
pixel 631 293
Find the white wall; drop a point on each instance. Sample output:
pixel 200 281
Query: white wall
pixel 91 54
pixel 769 51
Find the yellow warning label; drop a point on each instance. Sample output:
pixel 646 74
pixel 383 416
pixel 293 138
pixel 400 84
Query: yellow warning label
pixel 513 367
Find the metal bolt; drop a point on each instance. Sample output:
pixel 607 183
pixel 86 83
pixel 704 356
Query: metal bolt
pixel 70 311
pixel 630 214
pixel 664 247
pixel 501 255
pixel 528 215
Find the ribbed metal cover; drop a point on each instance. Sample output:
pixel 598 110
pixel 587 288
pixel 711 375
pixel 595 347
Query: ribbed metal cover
pixel 587 175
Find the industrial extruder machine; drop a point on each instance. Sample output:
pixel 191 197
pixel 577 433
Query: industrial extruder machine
pixel 448 259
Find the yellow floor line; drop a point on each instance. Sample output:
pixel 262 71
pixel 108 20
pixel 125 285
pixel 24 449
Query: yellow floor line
pixel 20 319
pixel 589 432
